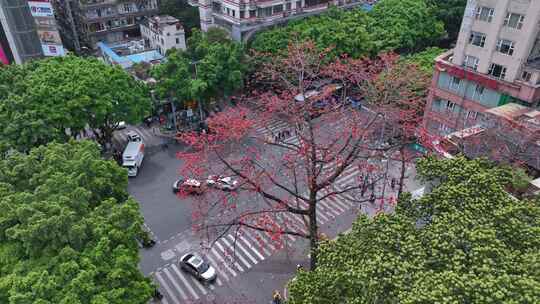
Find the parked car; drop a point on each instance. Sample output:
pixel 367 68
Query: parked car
pixel 222 182
pixel 121 125
pixel 189 185
pixel 198 267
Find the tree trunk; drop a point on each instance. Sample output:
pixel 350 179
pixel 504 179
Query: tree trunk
pixel 313 234
pixel 402 171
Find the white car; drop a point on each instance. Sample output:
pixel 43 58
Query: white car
pixel 198 267
pixel 133 136
pixel 222 182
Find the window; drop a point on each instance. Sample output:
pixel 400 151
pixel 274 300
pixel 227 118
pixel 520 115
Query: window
pixel 278 9
pixel 242 14
pixel 471 62
pixel 233 13
pixel 454 83
pixel 478 92
pixel 450 106
pixel 484 13
pixel 472 115
pixel 177 40
pixel 497 70
pixel 526 76
pixel 505 46
pixel 478 39
pixel 514 20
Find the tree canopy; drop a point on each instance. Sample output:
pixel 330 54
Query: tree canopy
pixel 40 100
pixel 468 241
pixel 403 25
pixel 68 229
pixel 212 66
pixel 183 11
pixel 451 13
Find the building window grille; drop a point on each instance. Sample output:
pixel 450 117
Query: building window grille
pixel 478 39
pixel 514 20
pixel 505 46
pixel 484 13
pixel 497 71
pixel 471 62
pixel 526 76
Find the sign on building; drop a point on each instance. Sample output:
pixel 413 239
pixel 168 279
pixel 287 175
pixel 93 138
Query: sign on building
pixel 46 26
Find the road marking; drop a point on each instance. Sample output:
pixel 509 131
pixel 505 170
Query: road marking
pixel 252 247
pixel 209 257
pixel 162 283
pixel 223 262
pixel 190 289
pixel 173 281
pixel 257 243
pixel 266 239
pixel 244 261
pixel 198 284
pixel 296 221
pixel 234 259
pixel 320 214
pixel 243 249
pixel 331 211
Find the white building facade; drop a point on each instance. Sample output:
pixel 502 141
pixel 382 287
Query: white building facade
pixel 163 33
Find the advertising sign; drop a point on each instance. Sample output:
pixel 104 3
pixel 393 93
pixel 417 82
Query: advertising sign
pixel 41 8
pixel 47 29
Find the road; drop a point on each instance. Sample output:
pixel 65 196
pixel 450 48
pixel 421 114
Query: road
pixel 251 265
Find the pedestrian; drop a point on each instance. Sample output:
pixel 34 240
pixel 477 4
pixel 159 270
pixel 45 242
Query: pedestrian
pixel 372 198
pixel 393 183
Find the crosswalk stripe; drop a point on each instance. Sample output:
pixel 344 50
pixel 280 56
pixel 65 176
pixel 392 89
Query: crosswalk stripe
pixel 240 268
pixel 211 259
pixel 198 284
pixel 243 249
pixel 181 276
pixel 265 238
pixel 328 209
pixel 257 243
pixel 320 214
pixel 162 283
pixel 244 261
pixel 223 262
pixel 340 203
pixel 173 281
pixel 252 247
pixel 333 203
pixel 296 221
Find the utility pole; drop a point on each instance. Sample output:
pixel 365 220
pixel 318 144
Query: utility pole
pixel 76 42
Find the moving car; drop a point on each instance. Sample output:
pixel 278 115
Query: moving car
pixel 198 267
pixel 222 182
pixel 133 136
pixel 189 185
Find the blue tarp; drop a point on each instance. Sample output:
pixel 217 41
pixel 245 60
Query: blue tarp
pixel 128 60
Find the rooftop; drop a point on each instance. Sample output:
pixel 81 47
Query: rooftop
pixel 163 21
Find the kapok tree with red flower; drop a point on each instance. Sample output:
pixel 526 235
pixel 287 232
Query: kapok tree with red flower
pixel 284 173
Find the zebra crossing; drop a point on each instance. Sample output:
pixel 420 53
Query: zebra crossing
pixel 233 254
pixel 272 130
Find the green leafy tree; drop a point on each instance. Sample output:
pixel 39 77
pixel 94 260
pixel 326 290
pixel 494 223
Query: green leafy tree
pixel 424 60
pixel 181 10
pixel 451 13
pixel 213 66
pixel 54 95
pixel 468 241
pixel 404 25
pixel 67 229
pixel 401 25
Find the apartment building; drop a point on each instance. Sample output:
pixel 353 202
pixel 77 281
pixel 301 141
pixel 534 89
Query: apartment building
pixel 163 33
pixel 87 22
pixel 496 61
pixel 242 18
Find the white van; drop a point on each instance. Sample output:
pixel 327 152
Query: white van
pixel 132 157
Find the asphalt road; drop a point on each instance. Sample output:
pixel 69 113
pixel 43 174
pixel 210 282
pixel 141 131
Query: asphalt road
pixel 250 265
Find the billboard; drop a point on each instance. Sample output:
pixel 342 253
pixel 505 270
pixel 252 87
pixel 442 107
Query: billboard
pixel 46 26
